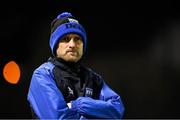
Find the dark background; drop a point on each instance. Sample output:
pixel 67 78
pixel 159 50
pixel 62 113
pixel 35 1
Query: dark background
pixel 135 46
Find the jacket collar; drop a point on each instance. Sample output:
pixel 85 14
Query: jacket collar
pixel 69 66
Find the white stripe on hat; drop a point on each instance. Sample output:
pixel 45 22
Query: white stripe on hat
pixel 72 20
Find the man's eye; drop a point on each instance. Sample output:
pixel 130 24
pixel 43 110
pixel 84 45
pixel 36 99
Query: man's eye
pixel 65 39
pixel 77 39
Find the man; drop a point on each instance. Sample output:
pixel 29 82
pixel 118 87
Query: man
pixel 62 88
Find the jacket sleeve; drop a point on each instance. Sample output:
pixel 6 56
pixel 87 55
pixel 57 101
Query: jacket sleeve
pixel 108 106
pixel 46 99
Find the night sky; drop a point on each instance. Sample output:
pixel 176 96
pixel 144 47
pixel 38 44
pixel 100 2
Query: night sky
pixel 134 45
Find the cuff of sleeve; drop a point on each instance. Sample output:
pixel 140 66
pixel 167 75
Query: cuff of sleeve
pixel 74 104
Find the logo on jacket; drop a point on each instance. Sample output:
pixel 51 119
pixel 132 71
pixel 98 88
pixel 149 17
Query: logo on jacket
pixel 70 91
pixel 89 92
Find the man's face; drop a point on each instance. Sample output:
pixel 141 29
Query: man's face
pixel 70 48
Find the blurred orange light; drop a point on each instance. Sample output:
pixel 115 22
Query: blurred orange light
pixel 11 72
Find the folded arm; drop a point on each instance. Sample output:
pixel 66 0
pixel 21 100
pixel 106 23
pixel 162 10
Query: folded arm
pixel 108 106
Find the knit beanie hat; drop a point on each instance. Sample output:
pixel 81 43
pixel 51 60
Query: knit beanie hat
pixel 64 24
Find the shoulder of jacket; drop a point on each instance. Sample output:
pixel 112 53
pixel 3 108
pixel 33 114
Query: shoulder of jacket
pixel 94 72
pixel 45 68
pixel 43 75
pixel 95 76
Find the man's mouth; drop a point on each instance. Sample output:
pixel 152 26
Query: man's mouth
pixel 71 52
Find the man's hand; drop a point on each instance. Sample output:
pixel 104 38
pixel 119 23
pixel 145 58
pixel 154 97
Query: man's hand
pixel 69 105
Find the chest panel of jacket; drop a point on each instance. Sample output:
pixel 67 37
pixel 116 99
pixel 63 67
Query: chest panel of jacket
pixel 76 82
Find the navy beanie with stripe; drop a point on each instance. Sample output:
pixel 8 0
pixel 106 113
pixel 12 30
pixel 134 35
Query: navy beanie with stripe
pixel 65 24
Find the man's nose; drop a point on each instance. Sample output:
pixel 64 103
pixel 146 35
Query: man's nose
pixel 72 43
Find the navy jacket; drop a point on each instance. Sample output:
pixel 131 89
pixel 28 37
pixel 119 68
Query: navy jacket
pixel 48 102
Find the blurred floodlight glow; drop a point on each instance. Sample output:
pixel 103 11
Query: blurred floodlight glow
pixel 11 72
